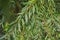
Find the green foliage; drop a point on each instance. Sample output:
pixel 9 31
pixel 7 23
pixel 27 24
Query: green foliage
pixel 37 20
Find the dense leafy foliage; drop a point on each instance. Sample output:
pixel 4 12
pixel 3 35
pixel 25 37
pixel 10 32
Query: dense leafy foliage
pixel 29 20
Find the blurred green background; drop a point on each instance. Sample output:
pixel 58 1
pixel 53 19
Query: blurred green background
pixel 29 19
